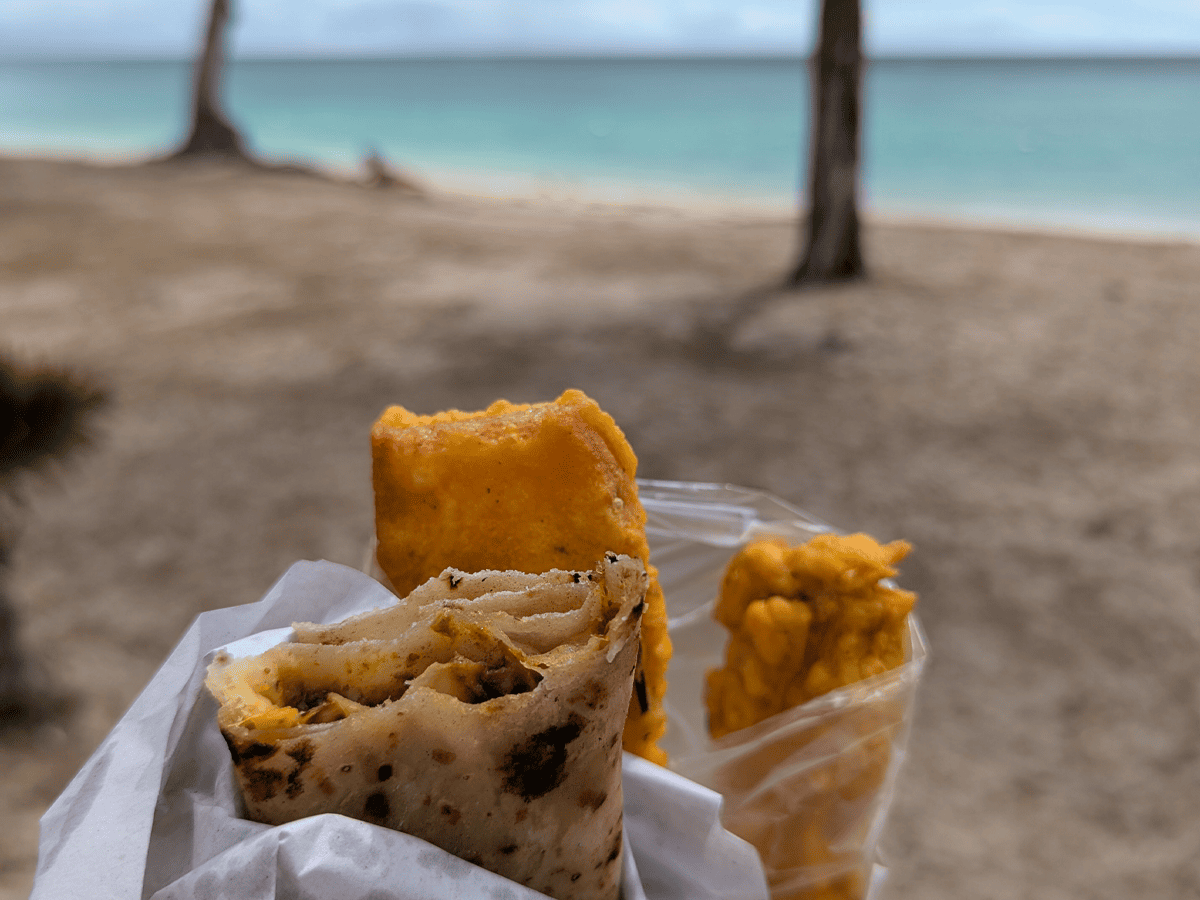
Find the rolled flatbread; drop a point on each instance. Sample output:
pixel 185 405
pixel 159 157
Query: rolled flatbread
pixel 482 713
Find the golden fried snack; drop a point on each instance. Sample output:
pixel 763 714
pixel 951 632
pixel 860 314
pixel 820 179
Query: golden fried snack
pixel 804 621
pixel 527 487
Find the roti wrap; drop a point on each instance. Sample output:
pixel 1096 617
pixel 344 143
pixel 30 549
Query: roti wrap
pixel 482 713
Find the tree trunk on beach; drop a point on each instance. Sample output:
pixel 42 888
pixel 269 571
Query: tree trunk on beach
pixel 212 134
pixel 833 251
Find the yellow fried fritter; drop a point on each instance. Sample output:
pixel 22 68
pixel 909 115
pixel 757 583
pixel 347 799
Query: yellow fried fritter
pixel 804 621
pixel 530 487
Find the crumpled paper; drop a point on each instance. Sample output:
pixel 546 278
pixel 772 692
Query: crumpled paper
pixel 154 812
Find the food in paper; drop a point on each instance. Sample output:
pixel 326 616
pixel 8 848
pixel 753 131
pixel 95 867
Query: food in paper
pixel 805 621
pixel 482 713
pixel 528 487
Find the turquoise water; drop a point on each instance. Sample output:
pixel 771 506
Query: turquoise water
pixel 1111 144
pixel 1096 143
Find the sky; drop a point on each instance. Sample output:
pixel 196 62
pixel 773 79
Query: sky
pixel 153 28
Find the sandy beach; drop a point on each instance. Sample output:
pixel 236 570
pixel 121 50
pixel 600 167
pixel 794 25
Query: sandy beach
pixel 1023 408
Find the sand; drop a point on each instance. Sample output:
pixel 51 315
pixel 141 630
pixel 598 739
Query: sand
pixel 1023 408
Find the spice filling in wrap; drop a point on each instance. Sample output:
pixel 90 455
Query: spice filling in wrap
pixel 482 713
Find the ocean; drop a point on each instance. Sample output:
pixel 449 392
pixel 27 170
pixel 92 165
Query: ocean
pixel 1099 144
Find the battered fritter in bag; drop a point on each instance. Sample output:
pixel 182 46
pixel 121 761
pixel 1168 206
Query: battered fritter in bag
pixel 482 713
pixel 804 726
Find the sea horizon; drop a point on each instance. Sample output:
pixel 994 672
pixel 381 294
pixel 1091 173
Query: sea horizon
pixel 665 55
pixel 1065 142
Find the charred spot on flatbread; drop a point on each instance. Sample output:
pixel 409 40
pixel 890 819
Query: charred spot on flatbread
pixel 616 849
pixel 301 752
pixel 535 766
pixel 592 800
pixel 295 787
pixel 592 696
pixel 261 785
pixel 250 751
pixel 613 852
pixel 377 806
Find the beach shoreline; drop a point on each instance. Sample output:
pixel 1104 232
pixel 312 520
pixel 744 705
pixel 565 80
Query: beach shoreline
pixel 663 198
pixel 1022 407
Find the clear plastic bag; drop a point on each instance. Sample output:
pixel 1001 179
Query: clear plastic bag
pixel 811 786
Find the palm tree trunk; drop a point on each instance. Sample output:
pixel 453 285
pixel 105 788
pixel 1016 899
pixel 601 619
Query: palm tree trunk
pixel 212 134
pixel 833 251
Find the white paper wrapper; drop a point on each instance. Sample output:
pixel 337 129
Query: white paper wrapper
pixel 154 812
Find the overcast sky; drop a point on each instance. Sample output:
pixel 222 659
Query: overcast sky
pixel 336 27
